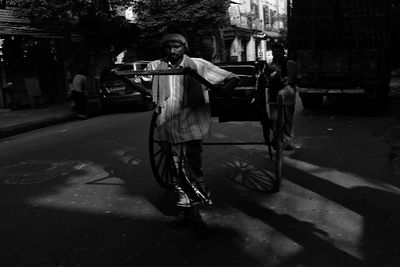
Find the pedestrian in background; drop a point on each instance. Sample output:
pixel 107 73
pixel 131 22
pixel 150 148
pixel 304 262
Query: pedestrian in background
pixel 78 93
pixel 184 120
pixel 282 81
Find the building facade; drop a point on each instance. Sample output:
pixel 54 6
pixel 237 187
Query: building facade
pixel 31 63
pixel 253 26
pixel 36 66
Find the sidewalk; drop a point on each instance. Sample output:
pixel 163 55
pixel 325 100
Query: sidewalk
pixel 14 122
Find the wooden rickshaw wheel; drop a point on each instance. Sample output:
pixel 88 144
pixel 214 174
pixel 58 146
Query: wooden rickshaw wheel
pixel 160 156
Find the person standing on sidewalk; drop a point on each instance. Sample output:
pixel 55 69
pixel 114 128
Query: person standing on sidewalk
pixel 184 120
pixel 282 81
pixel 79 93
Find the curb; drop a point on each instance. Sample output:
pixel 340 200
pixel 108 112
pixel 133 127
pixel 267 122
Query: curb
pixel 30 126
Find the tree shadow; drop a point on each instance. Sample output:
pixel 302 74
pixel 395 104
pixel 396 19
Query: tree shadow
pixel 134 183
pixel 317 250
pixel 350 105
pixel 380 242
pixel 381 235
pixel 349 136
pixel 379 209
pixel 59 222
pixel 37 236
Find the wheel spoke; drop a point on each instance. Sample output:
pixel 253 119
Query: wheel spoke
pixel 158 152
pixel 168 173
pixel 164 171
pixel 160 160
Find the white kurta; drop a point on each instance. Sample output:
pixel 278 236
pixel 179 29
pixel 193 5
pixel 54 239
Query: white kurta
pixel 177 124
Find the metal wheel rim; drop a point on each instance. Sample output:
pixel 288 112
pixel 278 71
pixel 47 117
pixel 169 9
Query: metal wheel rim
pixel 160 159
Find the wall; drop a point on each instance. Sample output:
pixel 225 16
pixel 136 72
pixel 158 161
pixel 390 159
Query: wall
pixel 253 25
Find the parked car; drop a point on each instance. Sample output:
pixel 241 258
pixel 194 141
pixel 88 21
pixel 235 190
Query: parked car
pixel 115 91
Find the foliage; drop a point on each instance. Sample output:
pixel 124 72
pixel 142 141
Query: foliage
pixel 70 14
pixel 198 18
pixel 154 15
pixel 195 17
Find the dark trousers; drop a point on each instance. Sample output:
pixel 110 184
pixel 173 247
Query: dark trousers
pixel 188 171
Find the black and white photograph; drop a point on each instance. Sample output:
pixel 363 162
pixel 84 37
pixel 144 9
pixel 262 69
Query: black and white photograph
pixel 147 133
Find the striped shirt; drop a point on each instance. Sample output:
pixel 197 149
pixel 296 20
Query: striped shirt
pixel 177 124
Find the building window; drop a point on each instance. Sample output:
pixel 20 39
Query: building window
pixel 3 4
pixel 255 11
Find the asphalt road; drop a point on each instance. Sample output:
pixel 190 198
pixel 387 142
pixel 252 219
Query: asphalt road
pixel 82 194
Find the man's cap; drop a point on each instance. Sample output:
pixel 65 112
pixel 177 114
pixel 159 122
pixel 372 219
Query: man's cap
pixel 175 37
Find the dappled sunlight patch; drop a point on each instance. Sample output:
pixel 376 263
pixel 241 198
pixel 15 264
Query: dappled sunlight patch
pixel 97 200
pixel 94 190
pixel 39 171
pixel 129 155
pixel 293 221
pixel 331 222
pixel 130 160
pixel 256 149
pixel 302 215
pixel 345 205
pixel 339 177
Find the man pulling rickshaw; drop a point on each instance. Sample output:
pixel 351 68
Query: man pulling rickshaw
pixel 184 120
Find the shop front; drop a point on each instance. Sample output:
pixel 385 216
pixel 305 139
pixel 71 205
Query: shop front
pixel 31 65
pixel 31 71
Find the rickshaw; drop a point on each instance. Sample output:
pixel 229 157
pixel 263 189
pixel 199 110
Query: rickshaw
pixel 248 102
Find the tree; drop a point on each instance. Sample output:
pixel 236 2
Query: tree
pixel 199 19
pixel 96 20
pixel 74 15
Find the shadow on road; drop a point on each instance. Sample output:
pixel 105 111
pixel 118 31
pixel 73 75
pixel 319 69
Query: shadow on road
pixel 351 136
pixel 316 250
pixel 355 105
pixel 250 176
pixel 40 230
pixel 57 237
pixel 379 209
pixel 42 233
